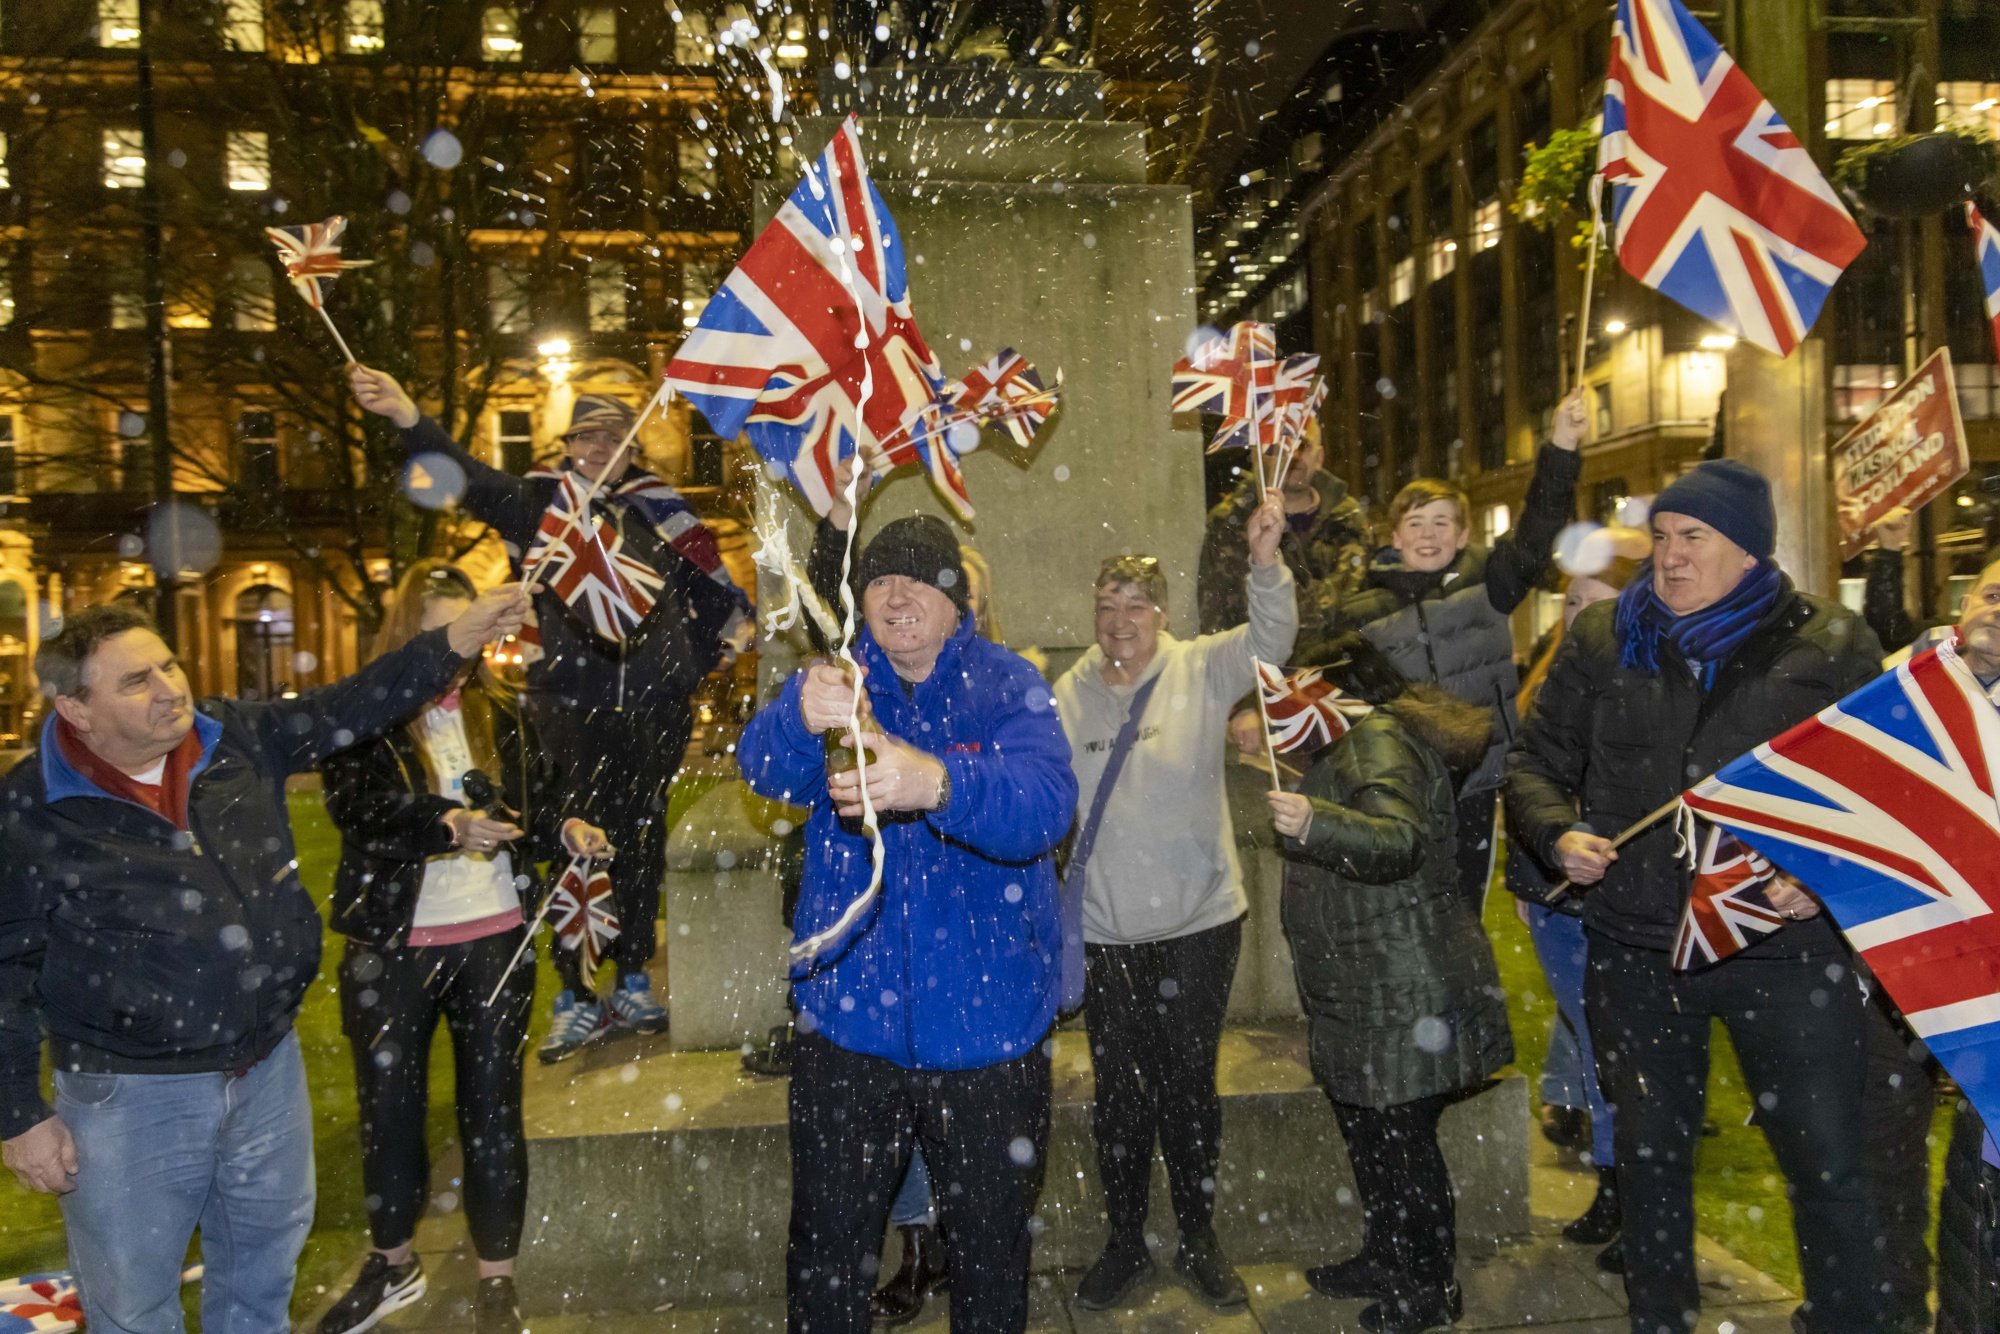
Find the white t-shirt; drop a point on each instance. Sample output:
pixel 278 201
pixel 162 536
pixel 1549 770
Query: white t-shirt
pixel 459 886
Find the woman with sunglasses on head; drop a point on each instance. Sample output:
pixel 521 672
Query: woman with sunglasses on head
pixel 432 895
pixel 1162 904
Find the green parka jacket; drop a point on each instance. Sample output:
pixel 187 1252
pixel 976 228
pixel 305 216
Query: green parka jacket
pixel 1396 976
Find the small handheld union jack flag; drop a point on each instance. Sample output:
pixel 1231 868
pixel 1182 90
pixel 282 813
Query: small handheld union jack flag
pixel 1726 908
pixel 311 256
pixel 1236 376
pixel 1297 390
pixel 583 561
pixel 1005 391
pixel 1305 712
pixel 581 912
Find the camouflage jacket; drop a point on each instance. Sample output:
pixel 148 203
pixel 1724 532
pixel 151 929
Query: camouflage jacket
pixel 1328 562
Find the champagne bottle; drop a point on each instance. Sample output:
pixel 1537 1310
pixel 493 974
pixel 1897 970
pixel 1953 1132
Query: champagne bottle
pixel 840 756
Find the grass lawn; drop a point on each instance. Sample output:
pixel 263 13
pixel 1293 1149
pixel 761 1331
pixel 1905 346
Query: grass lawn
pixel 1740 1201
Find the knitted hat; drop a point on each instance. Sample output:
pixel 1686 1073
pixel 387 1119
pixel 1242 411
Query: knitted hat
pixel 918 547
pixel 1729 496
pixel 600 412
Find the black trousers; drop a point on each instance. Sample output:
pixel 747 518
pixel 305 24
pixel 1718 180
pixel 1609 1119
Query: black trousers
pixel 1154 1016
pixel 390 1004
pixel 1409 1218
pixel 854 1118
pixel 616 766
pixel 1797 1026
pixel 1475 847
pixel 1898 1103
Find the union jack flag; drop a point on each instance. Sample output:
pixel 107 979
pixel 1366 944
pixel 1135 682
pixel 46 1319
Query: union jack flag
pixel 40 1304
pixel 1715 202
pixel 1885 805
pixel 1305 712
pixel 581 558
pixel 1726 907
pixel 1006 392
pixel 311 255
pixel 581 912
pixel 1988 242
pixel 811 345
pixel 1235 375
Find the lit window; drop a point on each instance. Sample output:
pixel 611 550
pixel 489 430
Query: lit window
pixel 1858 390
pixel 249 160
pixel 1441 259
pixel 128 303
pixel 6 180
pixel 509 298
pixel 243 24
pixel 597 35
pixel 124 160
pixel 118 23
pixel 1978 390
pixel 1368 306
pixel 1860 108
pixel 697 165
pixel 10 456
pixel 6 295
pixel 1970 105
pixel 250 301
pixel 1403 281
pixel 699 279
pixel 361 27
pixel 500 34
pixel 607 296
pixel 1486 226
pixel 694 39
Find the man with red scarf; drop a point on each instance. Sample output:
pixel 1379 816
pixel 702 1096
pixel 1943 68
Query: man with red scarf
pixel 153 924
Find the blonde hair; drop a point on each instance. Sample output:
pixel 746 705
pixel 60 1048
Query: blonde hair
pixel 423 581
pixel 1425 491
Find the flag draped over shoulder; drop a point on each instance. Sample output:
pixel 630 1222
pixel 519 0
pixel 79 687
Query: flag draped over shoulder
pixel 811 345
pixel 1886 806
pixel 1715 201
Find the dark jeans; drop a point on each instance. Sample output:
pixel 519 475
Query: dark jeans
pixel 390 1004
pixel 1409 1218
pixel 1475 847
pixel 1797 1027
pixel 854 1118
pixel 615 767
pixel 1154 1016
pixel 1899 1102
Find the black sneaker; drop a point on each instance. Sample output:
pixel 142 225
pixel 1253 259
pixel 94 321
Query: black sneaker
pixel 1361 1275
pixel 1202 1263
pixel 382 1289
pixel 1604 1219
pixel 1125 1261
pixel 495 1310
pixel 1612 1258
pixel 1414 1311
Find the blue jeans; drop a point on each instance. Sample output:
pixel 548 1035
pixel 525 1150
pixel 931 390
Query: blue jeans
pixel 158 1156
pixel 1559 944
pixel 913 1206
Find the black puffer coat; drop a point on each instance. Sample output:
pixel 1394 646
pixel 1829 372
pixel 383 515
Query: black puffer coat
pixel 391 821
pixel 1395 974
pixel 1968 1233
pixel 1621 742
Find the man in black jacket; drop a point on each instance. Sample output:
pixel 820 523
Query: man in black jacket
pixel 1709 652
pixel 614 714
pixel 152 922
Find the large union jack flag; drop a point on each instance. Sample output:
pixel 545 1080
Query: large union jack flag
pixel 1885 806
pixel 582 559
pixel 582 912
pixel 1726 907
pixel 311 255
pixel 1715 201
pixel 810 345
pixel 1304 711
pixel 1987 241
pixel 1296 392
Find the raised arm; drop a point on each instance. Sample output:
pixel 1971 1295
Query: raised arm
pixel 1521 557
pixel 514 505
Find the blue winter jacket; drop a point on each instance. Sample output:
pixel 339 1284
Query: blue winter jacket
pixel 959 965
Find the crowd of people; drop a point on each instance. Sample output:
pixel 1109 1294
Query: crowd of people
pixel 984 853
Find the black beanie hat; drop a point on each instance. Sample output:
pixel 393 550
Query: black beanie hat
pixel 918 547
pixel 1729 496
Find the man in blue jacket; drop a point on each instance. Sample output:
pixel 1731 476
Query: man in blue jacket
pixel 152 922
pixel 925 1016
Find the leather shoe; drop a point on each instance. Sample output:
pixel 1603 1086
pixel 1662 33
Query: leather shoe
pixel 922 1272
pixel 1202 1263
pixel 1125 1261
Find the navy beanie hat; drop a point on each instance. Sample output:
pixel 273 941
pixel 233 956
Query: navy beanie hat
pixel 918 547
pixel 1729 496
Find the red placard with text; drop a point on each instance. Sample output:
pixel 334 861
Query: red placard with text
pixel 1906 453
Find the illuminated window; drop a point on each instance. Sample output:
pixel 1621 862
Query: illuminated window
pixel 607 296
pixel 1403 280
pixel 6 294
pixel 509 297
pixel 1486 226
pixel 1859 390
pixel 694 39
pixel 1860 108
pixel 5 179
pixel 361 27
pixel 597 35
pixel 249 160
pixel 118 23
pixel 699 279
pixel 243 24
pixel 128 302
pixel 500 34
pixel 697 165
pixel 124 160
pixel 1978 390
pixel 1965 104
pixel 252 307
pixel 10 456
pixel 1441 259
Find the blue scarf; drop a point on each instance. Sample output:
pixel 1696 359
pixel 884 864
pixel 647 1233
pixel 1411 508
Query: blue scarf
pixel 1706 638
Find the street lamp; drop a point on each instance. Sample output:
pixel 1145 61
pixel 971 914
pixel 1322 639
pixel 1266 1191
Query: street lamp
pixel 1717 342
pixel 1615 327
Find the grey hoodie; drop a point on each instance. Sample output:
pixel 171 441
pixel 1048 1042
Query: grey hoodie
pixel 1165 860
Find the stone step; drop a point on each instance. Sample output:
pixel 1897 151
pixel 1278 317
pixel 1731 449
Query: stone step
pixel 662 1176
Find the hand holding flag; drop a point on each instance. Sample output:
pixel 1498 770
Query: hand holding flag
pixel 311 256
